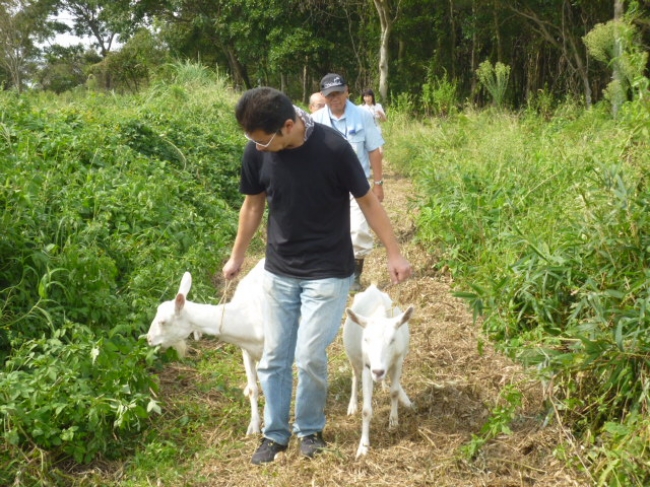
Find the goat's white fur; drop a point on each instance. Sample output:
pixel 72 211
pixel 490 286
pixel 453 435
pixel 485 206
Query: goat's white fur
pixel 376 339
pixel 238 322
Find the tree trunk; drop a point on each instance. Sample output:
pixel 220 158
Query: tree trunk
pixel 383 9
pixel 12 44
pixel 618 98
pixel 452 40
pixel 474 56
pixel 305 74
pixel 562 39
pixel 239 72
pixel 353 26
pixel 497 35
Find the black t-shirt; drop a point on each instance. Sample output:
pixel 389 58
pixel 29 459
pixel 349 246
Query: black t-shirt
pixel 308 192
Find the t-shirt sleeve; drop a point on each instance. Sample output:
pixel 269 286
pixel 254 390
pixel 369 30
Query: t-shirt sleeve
pixel 250 181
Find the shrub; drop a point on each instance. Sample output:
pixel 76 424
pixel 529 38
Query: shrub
pixel 494 79
pixel 106 200
pixel 65 393
pixel 439 96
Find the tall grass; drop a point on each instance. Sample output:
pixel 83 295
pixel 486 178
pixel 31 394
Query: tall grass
pixel 545 225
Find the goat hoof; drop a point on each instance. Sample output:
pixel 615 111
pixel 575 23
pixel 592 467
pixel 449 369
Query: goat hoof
pixel 253 429
pixel 362 451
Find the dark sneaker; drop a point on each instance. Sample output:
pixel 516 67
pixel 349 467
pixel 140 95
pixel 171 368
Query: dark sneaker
pixel 312 445
pixel 267 451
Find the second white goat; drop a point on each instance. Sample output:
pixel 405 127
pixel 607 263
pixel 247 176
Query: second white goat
pixel 376 340
pixel 238 322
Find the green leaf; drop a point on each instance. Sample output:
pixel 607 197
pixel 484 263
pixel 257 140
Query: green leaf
pixel 154 406
pixel 94 353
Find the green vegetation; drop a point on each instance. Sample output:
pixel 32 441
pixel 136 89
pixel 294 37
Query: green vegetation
pixel 545 225
pixel 495 80
pixel 541 216
pixel 105 201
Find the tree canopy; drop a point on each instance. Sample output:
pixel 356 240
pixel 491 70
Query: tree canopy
pixel 393 46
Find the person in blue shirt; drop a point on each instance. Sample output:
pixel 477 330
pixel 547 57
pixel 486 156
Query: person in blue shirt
pixel 359 128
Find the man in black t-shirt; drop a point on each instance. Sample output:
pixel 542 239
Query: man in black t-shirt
pixel 305 173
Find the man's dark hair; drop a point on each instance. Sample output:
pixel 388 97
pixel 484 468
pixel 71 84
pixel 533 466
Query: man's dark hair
pixel 264 109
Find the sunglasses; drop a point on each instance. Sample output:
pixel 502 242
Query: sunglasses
pixel 264 146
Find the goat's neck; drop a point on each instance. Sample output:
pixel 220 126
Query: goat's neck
pixel 204 318
pixel 229 322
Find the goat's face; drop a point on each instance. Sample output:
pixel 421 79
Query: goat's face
pixel 379 339
pixel 171 325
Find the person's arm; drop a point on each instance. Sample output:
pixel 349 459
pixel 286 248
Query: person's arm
pixel 399 268
pixel 250 217
pixel 381 115
pixel 376 164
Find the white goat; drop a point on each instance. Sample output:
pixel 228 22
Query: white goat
pixel 238 322
pixel 376 339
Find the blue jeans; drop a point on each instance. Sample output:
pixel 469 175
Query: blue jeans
pixel 301 319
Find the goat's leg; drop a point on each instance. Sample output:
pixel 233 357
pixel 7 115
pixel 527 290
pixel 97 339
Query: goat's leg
pixel 396 393
pixel 403 397
pixel 252 391
pixel 367 386
pixel 352 406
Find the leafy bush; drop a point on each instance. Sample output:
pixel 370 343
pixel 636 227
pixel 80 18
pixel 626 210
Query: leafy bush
pixel 95 199
pixel 132 67
pixel 439 96
pixel 494 79
pixel 65 393
pixel 618 44
pixel 105 201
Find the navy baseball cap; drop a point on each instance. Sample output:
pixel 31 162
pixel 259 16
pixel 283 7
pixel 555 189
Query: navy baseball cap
pixel 332 82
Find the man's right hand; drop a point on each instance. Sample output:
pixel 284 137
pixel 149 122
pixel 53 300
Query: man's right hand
pixel 232 268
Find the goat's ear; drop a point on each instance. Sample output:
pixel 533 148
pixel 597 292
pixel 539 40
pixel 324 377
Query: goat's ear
pixel 186 284
pixel 179 302
pixel 406 316
pixel 358 319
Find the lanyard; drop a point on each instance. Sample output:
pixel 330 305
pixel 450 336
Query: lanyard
pixel 333 123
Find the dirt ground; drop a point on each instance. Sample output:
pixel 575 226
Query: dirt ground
pixel 453 386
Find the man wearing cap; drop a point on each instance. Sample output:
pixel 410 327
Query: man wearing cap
pixel 358 127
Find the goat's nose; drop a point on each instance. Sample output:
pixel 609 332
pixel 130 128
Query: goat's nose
pixel 378 373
